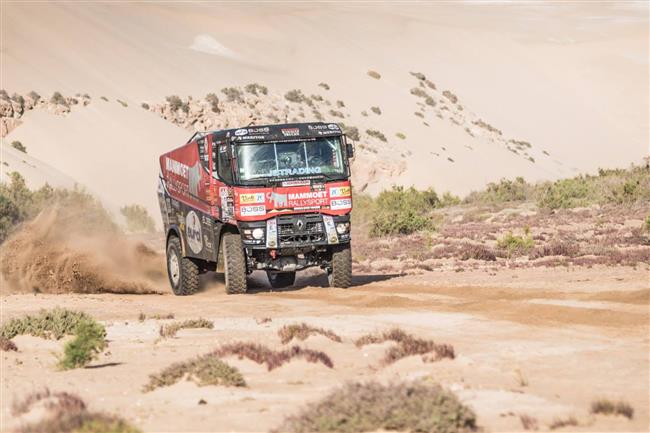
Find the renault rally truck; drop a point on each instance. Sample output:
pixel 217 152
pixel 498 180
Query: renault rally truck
pixel 275 198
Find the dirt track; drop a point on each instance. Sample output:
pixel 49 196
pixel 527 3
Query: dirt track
pixel 574 336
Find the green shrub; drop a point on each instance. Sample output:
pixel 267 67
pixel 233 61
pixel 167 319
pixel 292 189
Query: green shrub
pixel 377 134
pixel 403 211
pixel 448 199
pixel 256 89
pixel 376 110
pixel 646 224
pixel 89 341
pixel 324 86
pixel 513 245
pixel 203 370
pixel 176 103
pixel 502 192
pixel 138 219
pixel 122 103
pixel 58 99
pixel 298 97
pixel 400 135
pixel 406 407
pixel 213 100
pixel 18 203
pixel 52 324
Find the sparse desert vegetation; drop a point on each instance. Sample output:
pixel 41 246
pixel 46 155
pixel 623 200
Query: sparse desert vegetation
pixel 137 218
pixel 170 330
pixel 90 336
pixel 272 358
pixel 605 406
pixel 302 331
pixel 374 74
pixel 508 220
pixel 371 406
pixel 407 345
pixel 203 370
pixel 19 146
pixel 66 413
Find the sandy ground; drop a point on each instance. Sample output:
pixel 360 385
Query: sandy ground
pixel 573 335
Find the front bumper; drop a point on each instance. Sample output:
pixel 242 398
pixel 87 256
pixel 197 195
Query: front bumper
pixel 300 232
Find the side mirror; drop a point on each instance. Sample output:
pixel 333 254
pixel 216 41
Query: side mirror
pixel 349 148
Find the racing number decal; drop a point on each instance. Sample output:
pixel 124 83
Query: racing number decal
pixel 193 232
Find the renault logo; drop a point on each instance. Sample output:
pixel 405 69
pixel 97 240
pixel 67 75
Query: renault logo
pixel 299 225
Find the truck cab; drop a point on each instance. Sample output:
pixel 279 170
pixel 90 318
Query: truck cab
pixel 275 198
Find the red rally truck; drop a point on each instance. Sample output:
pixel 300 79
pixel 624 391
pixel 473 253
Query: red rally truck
pixel 274 197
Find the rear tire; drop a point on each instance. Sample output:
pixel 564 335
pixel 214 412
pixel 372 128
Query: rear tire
pixel 340 274
pixel 279 280
pixel 234 263
pixel 183 272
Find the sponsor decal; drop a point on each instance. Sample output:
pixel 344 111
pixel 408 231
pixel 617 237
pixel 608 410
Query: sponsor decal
pixel 307 195
pixel 271 233
pixel 241 132
pixel 296 182
pixel 295 171
pixel 290 132
pixel 278 200
pixel 264 130
pixel 194 175
pixel 254 210
pixel 316 127
pixel 176 167
pixel 332 237
pixel 340 191
pixel 193 232
pixel 342 203
pixel 333 127
pixel 249 198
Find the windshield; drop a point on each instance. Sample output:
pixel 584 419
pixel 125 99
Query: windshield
pixel 297 158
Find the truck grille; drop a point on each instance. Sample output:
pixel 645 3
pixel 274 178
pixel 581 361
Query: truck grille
pixel 300 229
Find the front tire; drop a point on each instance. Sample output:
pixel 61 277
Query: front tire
pixel 183 272
pixel 279 280
pixel 234 263
pixel 340 274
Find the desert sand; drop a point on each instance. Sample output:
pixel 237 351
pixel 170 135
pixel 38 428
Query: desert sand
pixel 571 79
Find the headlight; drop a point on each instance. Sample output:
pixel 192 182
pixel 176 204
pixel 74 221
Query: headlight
pixel 342 228
pixel 258 233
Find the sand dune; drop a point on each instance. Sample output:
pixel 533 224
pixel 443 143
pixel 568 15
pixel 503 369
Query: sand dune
pixel 569 79
pixel 109 149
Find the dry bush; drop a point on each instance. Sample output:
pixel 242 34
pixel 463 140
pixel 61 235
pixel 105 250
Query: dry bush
pixel 563 422
pixel 360 407
pixel 419 75
pixel 7 345
pixel 556 248
pixel 407 345
pixel 302 330
pixel 203 370
pixel 171 329
pixel 376 110
pixel 272 358
pixel 261 320
pixel 67 413
pixel 374 74
pixel 447 94
pixel 607 407
pixel 324 86
pixel 377 134
pixel 528 422
pixel 477 252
